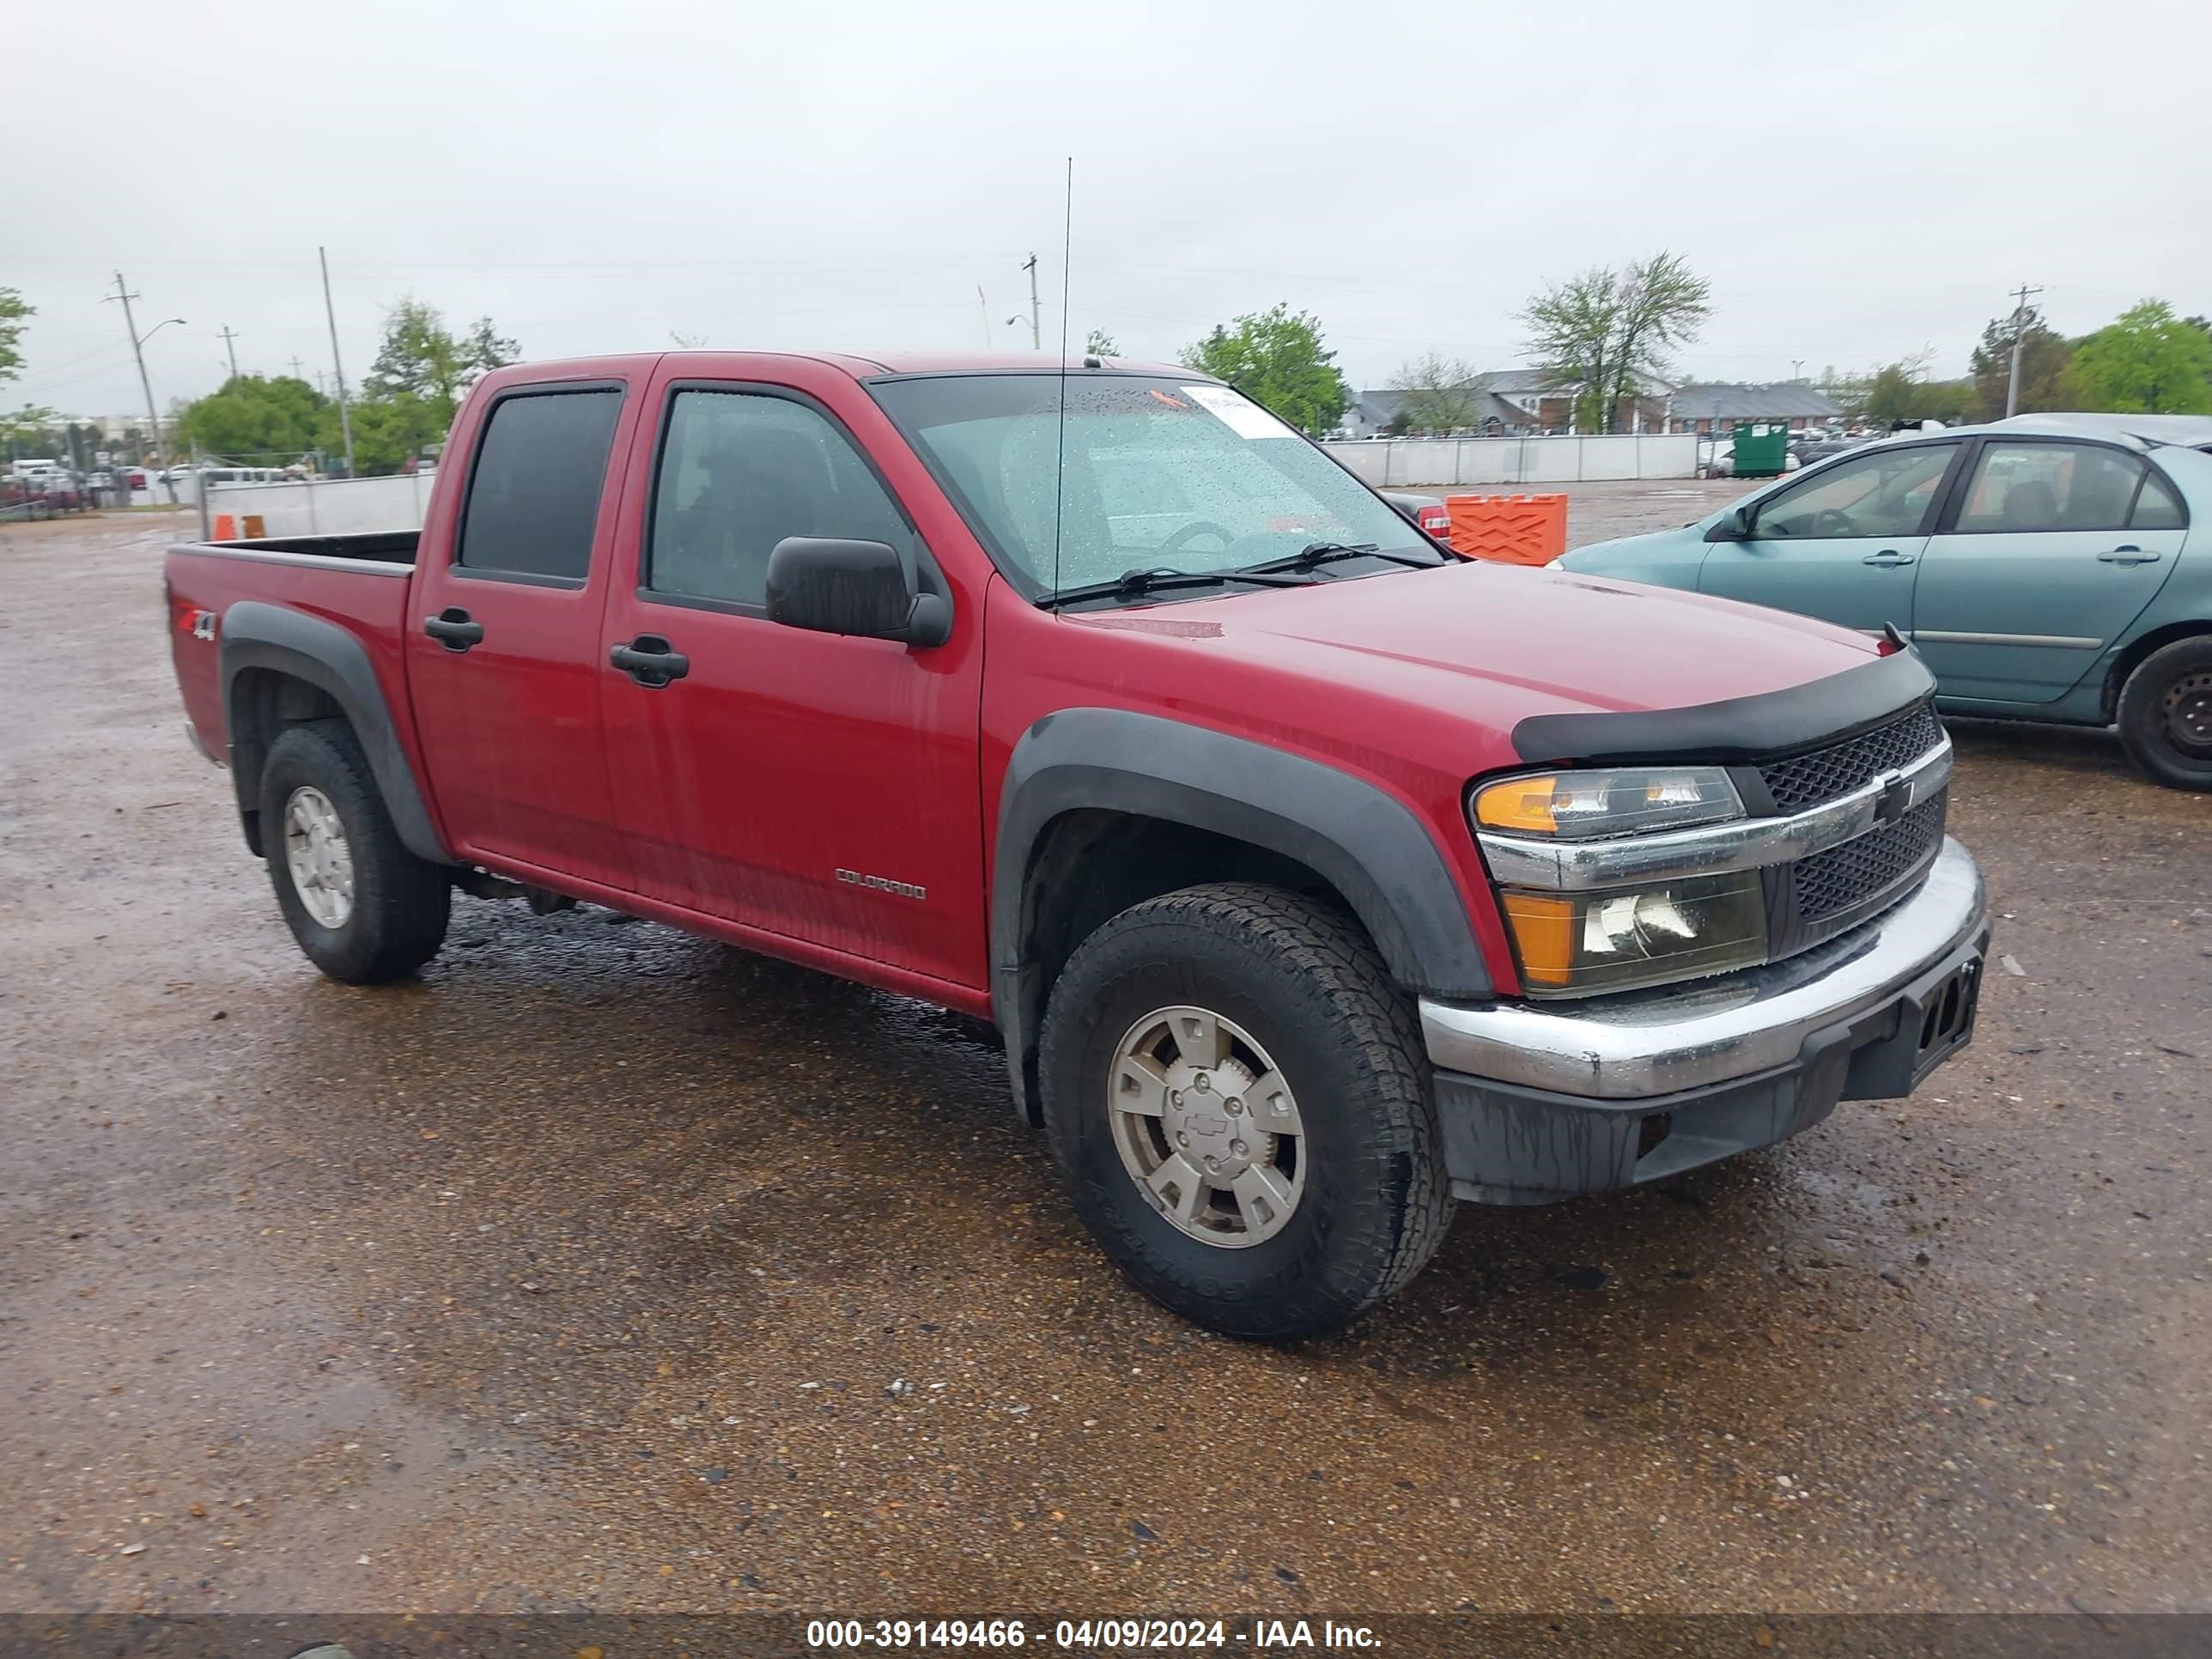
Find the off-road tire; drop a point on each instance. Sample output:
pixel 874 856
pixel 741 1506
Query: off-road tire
pixel 400 901
pixel 2142 721
pixel 1307 983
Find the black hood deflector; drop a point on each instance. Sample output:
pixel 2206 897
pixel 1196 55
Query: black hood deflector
pixel 1772 724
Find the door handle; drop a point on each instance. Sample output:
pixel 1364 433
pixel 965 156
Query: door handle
pixel 1889 559
pixel 2127 553
pixel 650 660
pixel 454 629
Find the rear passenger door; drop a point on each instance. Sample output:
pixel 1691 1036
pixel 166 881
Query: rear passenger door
pixel 2053 548
pixel 503 646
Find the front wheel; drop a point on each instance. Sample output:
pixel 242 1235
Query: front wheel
pixel 2165 713
pixel 1238 1101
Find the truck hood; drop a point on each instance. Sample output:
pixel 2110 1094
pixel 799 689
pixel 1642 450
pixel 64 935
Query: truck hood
pixel 1497 644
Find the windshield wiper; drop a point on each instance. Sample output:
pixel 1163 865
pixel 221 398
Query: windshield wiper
pixel 1135 583
pixel 1313 555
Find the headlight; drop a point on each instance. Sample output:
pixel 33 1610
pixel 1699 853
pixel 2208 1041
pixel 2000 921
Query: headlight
pixel 1583 805
pixel 1583 944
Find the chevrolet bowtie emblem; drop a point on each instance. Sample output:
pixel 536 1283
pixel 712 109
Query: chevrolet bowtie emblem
pixel 1896 796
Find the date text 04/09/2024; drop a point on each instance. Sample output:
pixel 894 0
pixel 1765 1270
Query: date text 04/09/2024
pixel 1088 1635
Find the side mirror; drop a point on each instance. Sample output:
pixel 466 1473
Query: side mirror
pixel 1735 527
pixel 861 588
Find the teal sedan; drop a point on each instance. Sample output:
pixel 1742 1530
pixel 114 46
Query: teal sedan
pixel 2044 568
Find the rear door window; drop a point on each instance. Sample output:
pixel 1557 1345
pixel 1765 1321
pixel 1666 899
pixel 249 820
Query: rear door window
pixel 2024 488
pixel 533 505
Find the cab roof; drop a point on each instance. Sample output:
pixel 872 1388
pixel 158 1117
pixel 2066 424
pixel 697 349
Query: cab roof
pixel 860 365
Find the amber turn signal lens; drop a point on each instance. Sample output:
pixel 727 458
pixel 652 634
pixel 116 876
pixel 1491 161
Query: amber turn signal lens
pixel 1517 804
pixel 1544 932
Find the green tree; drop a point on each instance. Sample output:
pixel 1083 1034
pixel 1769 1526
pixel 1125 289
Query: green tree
pixel 2043 358
pixel 261 420
pixel 13 315
pixel 1099 344
pixel 1440 393
pixel 1276 358
pixel 30 431
pixel 387 431
pixel 1602 333
pixel 422 359
pixel 1901 392
pixel 2146 361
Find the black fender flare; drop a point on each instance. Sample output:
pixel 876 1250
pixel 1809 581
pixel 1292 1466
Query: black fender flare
pixel 254 634
pixel 1366 843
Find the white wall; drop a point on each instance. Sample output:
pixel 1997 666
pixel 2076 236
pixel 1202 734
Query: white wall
pixel 327 506
pixel 1408 463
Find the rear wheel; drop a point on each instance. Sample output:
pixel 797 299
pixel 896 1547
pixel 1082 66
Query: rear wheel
pixel 362 907
pixel 1238 1101
pixel 2165 713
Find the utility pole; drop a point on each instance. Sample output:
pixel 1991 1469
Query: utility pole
pixel 338 369
pixel 138 350
pixel 297 367
pixel 228 335
pixel 2019 328
pixel 1036 334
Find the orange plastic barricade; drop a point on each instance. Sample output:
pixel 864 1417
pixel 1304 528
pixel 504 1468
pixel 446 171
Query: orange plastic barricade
pixel 1509 529
pixel 255 527
pixel 225 527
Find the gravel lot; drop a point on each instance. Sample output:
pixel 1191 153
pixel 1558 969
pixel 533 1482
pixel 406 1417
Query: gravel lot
pixel 607 1267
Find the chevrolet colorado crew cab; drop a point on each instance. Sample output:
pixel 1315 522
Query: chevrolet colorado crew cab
pixel 1314 878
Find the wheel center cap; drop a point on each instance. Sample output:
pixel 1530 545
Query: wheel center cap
pixel 1208 1120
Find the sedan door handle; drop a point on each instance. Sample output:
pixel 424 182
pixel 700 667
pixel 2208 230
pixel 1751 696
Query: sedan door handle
pixel 2129 554
pixel 454 629
pixel 1889 558
pixel 650 660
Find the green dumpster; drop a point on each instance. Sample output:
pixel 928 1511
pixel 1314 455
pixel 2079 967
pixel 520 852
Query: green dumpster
pixel 1762 449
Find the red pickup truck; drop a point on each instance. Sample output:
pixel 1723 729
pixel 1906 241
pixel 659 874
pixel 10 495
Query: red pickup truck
pixel 1314 878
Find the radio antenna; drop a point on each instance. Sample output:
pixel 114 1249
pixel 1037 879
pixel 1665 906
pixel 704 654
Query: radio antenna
pixel 1059 464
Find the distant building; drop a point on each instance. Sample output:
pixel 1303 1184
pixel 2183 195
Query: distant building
pixel 1717 407
pixel 1509 403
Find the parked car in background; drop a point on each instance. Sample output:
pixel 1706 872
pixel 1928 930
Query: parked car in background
pixel 1818 444
pixel 1428 513
pixel 2045 568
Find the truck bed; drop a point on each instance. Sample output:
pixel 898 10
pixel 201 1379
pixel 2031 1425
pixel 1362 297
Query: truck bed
pixel 358 583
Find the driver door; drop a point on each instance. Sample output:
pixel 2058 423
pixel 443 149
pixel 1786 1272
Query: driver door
pixel 1845 543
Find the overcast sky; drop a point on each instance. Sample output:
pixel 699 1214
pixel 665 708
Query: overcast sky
pixel 1859 180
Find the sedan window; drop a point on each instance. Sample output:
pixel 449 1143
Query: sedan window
pixel 1882 493
pixel 2157 508
pixel 2024 488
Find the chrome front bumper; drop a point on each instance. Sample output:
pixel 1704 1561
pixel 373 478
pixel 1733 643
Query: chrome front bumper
pixel 1718 1030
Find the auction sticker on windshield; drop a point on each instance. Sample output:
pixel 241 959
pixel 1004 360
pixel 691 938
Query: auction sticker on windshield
pixel 1236 411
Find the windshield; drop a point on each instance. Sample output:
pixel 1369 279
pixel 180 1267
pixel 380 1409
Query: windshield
pixel 1161 473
